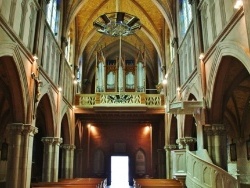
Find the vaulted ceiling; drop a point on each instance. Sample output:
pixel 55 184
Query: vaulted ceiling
pixel 156 17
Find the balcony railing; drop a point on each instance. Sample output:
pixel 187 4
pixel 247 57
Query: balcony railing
pixel 203 174
pixel 119 99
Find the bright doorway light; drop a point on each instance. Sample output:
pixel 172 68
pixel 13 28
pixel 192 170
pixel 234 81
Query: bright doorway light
pixel 119 171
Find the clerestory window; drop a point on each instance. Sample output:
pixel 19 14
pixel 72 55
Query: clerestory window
pixel 185 17
pixel 53 15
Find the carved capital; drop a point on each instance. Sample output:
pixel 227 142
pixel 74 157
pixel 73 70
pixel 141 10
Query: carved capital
pixel 15 128
pixel 29 129
pixel 215 129
pixel 66 146
pixel 170 147
pixel 47 140
pixel 186 141
pixel 57 141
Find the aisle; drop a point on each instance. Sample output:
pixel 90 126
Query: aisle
pixel 120 185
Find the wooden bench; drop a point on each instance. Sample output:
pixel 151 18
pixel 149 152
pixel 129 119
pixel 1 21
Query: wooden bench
pixel 157 183
pixel 71 183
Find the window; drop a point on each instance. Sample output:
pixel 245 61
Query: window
pixel 53 15
pixel 185 16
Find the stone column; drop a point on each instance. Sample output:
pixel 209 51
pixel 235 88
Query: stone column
pixel 47 159
pixel 19 155
pixel 71 166
pixel 216 138
pixel 15 131
pixel 161 163
pixel 65 170
pixel 55 162
pixel 78 162
pixel 168 149
pixel 209 133
pixel 27 147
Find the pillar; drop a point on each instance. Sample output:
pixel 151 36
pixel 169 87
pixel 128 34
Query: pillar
pixel 216 135
pixel 209 133
pixel 67 161
pixel 161 163
pixel 72 152
pixel 27 146
pixel 78 162
pixel 168 149
pixel 47 159
pixel 19 155
pixel 55 162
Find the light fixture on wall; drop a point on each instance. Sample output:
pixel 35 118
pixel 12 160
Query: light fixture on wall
pixel 4 151
pixel 238 4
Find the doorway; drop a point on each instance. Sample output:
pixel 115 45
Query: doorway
pixel 119 170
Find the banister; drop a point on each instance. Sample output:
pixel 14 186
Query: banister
pixel 203 174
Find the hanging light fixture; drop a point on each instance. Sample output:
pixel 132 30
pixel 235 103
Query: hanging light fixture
pixel 117 24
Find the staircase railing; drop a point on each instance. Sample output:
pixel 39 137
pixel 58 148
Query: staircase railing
pixel 206 175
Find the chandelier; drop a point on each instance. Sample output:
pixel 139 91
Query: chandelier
pixel 117 24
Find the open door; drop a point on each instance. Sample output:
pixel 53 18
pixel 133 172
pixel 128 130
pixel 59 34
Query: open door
pixel 119 171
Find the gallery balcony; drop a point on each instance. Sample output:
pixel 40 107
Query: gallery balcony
pixel 123 101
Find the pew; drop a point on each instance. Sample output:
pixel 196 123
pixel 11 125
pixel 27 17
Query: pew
pixel 71 183
pixel 157 183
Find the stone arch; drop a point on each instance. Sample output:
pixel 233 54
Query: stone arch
pixel 65 129
pixel 45 125
pixel 45 110
pixel 223 49
pixel 190 125
pixel 14 76
pixel 173 131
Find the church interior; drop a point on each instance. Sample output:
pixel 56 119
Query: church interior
pixel 164 83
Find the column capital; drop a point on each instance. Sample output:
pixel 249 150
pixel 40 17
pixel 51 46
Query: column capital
pixel 186 141
pixel 15 127
pixel 170 147
pixel 66 146
pixel 29 129
pixel 72 147
pixel 215 129
pixel 47 140
pixel 57 141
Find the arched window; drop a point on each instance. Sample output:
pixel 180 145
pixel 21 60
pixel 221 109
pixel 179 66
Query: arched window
pixel 185 16
pixel 53 15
